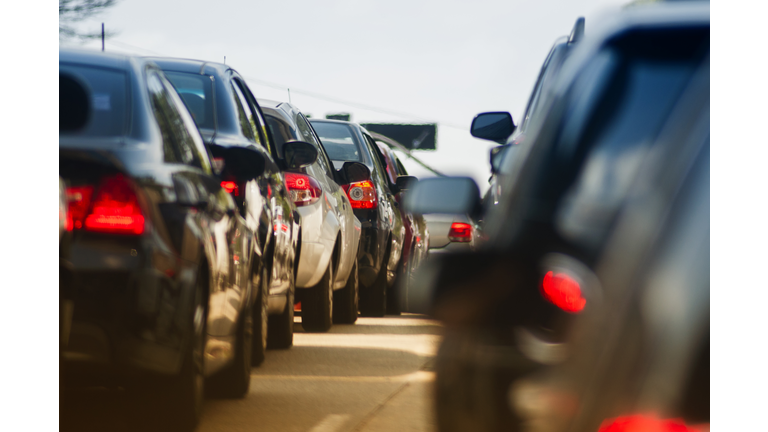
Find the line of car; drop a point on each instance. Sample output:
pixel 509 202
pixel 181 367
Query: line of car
pixel 194 217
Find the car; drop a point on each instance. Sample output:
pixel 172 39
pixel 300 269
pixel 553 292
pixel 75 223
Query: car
pixel 373 202
pixel 161 256
pixel 499 126
pixel 330 232
pixel 624 102
pixel 231 122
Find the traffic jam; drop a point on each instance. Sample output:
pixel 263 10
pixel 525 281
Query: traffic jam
pixel 209 236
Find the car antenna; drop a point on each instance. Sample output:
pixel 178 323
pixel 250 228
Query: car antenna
pixel 289 95
pixel 225 59
pixel 578 31
pixel 102 37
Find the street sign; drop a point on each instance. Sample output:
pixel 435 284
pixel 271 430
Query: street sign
pixel 412 136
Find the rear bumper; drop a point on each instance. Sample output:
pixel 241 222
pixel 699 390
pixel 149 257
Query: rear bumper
pixel 131 309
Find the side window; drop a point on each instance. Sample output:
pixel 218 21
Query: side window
pixel 161 109
pixel 246 116
pixel 377 161
pixel 191 146
pixel 257 118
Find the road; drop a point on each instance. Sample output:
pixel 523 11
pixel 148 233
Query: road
pixel 371 376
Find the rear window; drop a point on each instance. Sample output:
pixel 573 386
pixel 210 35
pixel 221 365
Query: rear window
pixel 339 141
pixel 197 93
pixel 107 99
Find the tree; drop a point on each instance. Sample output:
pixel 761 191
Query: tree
pixel 75 11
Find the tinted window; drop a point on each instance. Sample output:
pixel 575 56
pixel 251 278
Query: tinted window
pixel 282 132
pixel 308 135
pixel 245 115
pixel 197 93
pixel 108 99
pixel 339 141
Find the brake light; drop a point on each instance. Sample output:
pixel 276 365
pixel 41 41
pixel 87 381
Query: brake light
pixel 304 189
pixel 114 208
pixel 78 200
pixel 563 291
pixel 641 423
pixel 362 194
pixel 231 187
pixel 460 232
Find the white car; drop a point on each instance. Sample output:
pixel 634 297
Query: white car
pixel 326 277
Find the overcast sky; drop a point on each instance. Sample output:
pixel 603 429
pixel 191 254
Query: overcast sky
pixel 431 61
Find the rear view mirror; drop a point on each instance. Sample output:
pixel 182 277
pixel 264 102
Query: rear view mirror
pixel 497 154
pixel 299 154
pixel 245 163
pixel 74 104
pixel 493 126
pixel 444 195
pixel 354 172
pixel 405 182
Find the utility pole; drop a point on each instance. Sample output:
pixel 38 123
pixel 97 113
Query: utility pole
pixel 102 36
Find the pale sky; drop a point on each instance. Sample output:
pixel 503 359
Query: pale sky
pixel 431 61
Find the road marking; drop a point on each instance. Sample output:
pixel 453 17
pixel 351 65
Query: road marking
pixel 418 376
pixel 331 423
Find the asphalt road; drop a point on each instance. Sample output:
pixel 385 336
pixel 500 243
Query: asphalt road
pixel 371 376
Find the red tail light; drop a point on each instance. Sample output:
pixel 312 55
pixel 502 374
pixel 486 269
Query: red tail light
pixel 563 291
pixel 231 187
pixel 362 194
pixel 460 232
pixel 641 423
pixel 78 200
pixel 304 189
pixel 114 208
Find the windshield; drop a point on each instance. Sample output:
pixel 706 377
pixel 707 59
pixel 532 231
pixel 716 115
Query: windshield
pixel 339 141
pixel 197 93
pixel 107 89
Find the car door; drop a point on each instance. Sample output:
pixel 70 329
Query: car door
pixel 216 215
pixel 283 215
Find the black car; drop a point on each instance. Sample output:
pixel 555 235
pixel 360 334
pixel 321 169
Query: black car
pixel 374 204
pixel 232 125
pixel 631 95
pixel 160 253
pixel 499 126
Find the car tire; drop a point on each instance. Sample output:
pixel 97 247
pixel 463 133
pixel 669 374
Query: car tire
pixel 346 300
pixel 374 299
pixel 235 380
pixel 260 317
pixel 317 304
pixel 280 335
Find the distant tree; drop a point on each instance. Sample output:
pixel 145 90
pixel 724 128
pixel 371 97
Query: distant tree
pixel 74 11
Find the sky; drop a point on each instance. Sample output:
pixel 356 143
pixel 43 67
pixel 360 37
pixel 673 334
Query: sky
pixel 413 61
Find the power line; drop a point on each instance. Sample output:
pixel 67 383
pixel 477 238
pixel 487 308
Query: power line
pixel 321 96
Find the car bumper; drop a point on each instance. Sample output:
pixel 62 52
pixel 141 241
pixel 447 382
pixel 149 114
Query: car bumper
pixel 131 309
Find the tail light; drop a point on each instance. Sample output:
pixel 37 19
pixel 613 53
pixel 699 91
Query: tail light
pixel 642 423
pixel 231 187
pixel 460 232
pixel 362 194
pixel 563 291
pixel 304 189
pixel 113 209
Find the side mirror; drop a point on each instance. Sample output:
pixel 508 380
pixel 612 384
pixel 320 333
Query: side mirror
pixel 497 154
pixel 404 183
pixel 444 195
pixel 245 163
pixel 299 154
pixel 354 172
pixel 493 126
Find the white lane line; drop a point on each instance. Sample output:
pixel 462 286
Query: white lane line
pixel 331 423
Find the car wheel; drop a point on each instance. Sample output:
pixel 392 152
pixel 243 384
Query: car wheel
pixel 235 380
pixel 374 299
pixel 280 335
pixel 346 300
pixel 260 317
pixel 317 304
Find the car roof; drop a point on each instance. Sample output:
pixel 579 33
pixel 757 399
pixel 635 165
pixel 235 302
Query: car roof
pixel 95 58
pixel 201 67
